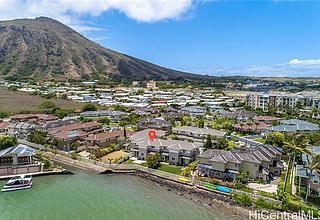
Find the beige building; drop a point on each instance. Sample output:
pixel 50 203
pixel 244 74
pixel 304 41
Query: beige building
pixel 260 163
pixel 151 84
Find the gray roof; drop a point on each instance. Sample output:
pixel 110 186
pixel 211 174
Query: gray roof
pixel 194 109
pixel 143 135
pixel 20 150
pixel 101 113
pixel 24 125
pixel 255 155
pixel 154 123
pixel 169 144
pixel 295 128
pixel 295 122
pixel 200 131
pixel 304 172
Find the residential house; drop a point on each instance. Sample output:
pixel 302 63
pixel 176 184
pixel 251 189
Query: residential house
pixel 23 118
pixel 116 115
pixel 254 127
pixel 151 84
pixel 170 151
pixel 18 160
pixel 154 123
pixel 43 118
pixel 294 125
pixel 305 175
pixel 262 162
pixel 194 111
pixel 267 119
pixel 196 134
pixel 103 139
pixel 70 133
pixel 4 126
pixel 22 129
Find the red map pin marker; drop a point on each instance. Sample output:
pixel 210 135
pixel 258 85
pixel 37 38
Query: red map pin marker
pixel 152 134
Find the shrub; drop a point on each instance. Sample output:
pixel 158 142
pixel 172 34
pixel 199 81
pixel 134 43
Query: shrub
pixel 7 141
pixel 244 200
pixel 153 161
pixel 89 107
pixel 290 203
pixel 4 114
pixel 74 155
pixel 46 163
pixel 261 203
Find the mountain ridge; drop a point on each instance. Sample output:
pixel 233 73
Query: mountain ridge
pixel 43 48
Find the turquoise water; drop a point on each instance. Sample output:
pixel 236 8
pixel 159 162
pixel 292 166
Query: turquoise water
pixel 90 196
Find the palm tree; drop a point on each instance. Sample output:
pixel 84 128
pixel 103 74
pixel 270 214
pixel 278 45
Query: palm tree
pixel 297 143
pixel 314 167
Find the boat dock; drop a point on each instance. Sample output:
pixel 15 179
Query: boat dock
pixel 43 173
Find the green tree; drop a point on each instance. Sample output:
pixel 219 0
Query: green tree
pixel 221 143
pixel 296 143
pixel 275 139
pixel 200 123
pixel 153 161
pixel 75 145
pixel 37 137
pixel 208 144
pixel 4 114
pixel 84 119
pixel 60 113
pixel 7 141
pixel 58 143
pixel 186 120
pixel 314 138
pixel 104 120
pixel 47 105
pixel 89 107
pixel 191 167
pixel 242 179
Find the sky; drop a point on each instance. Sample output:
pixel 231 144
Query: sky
pixel 255 38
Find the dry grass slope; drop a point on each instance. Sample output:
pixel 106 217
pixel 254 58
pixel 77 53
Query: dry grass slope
pixel 15 102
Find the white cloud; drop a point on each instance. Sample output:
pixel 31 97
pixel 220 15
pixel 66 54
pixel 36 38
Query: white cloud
pixel 293 68
pixel 297 62
pixel 71 12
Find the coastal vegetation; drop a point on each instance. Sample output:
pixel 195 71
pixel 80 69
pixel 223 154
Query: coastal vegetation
pixel 7 141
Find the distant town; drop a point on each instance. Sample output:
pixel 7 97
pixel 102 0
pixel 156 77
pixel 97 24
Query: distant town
pixel 257 141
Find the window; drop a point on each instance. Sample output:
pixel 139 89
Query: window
pixel 173 158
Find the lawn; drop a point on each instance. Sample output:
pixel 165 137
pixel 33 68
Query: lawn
pixel 16 102
pixel 170 169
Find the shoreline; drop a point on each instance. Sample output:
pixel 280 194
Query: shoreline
pixel 201 196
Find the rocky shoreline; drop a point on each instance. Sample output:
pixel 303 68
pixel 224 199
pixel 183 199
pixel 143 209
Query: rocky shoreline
pixel 218 201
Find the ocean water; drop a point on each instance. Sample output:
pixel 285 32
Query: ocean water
pixel 86 195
